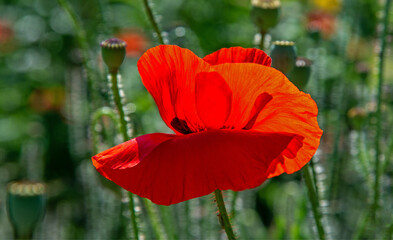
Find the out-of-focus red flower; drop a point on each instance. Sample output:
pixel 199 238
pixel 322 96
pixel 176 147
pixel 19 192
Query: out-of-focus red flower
pixel 47 99
pixel 237 122
pixel 6 32
pixel 323 22
pixel 137 43
pixel 6 36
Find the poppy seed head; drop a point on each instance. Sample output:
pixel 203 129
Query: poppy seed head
pixel 283 56
pixel 113 53
pixel 113 43
pixel 26 188
pixel 284 43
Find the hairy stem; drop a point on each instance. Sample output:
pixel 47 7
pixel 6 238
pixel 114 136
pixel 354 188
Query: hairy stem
pixel 155 223
pixel 314 177
pixel 119 105
pixel 81 38
pixel 168 222
pixel 314 201
pixel 223 215
pixel 123 129
pixel 377 174
pixel 153 21
pixel 126 136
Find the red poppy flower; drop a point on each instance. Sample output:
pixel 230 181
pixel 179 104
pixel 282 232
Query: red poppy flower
pixel 323 22
pixel 237 122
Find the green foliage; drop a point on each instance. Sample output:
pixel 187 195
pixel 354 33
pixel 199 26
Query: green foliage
pixel 52 80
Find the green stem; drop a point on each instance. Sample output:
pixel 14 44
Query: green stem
pixel 153 21
pixel 153 218
pixel 375 204
pixel 388 154
pixel 134 222
pixel 335 157
pixel 201 219
pixel 83 44
pixel 119 105
pixel 363 157
pixel 123 130
pixel 262 43
pixel 314 201
pixel 314 177
pixel 79 31
pixel 187 215
pixel 168 222
pixel 362 226
pixel 223 215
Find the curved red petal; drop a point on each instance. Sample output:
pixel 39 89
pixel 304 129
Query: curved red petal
pixel 128 154
pixel 238 55
pixel 259 104
pixel 171 169
pixel 293 114
pixel 249 82
pixel 213 99
pixel 265 100
pixel 168 73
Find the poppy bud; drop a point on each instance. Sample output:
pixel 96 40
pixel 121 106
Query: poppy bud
pixel 26 203
pixel 301 72
pixel 113 53
pixel 264 14
pixel 283 56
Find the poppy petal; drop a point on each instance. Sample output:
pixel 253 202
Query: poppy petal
pixel 265 100
pixel 259 104
pixel 168 73
pixel 238 55
pixel 213 99
pixel 169 169
pixel 249 82
pixel 296 114
pixel 130 153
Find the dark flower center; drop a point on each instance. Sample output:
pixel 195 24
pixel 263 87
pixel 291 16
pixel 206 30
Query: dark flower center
pixel 180 125
pixel 262 100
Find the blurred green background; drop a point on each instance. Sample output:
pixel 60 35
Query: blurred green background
pixel 50 85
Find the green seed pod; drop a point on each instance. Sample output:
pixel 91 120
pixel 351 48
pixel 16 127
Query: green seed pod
pixel 283 56
pixel 113 53
pixel 301 72
pixel 26 203
pixel 265 14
